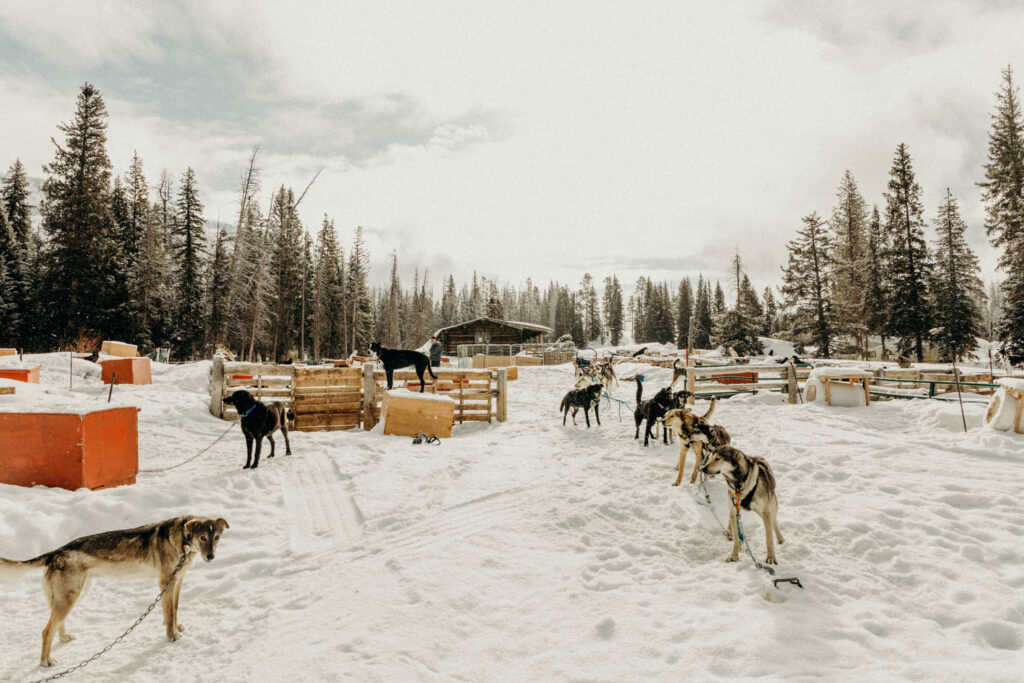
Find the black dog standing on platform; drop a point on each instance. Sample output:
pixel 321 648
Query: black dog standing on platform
pixel 259 420
pixel 395 359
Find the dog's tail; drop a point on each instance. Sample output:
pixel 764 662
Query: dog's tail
pixel 431 370
pixel 711 410
pixel 12 570
pixel 565 400
pixel 639 390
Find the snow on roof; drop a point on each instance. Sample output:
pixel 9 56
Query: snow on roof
pixel 508 323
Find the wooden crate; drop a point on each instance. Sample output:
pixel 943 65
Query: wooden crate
pixel 523 361
pixel 8 352
pixel 127 371
pixel 481 361
pixel 120 349
pixel 94 450
pixel 328 398
pixel 513 373
pixel 30 375
pixel 406 414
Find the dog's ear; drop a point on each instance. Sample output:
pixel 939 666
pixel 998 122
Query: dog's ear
pixel 190 526
pixel 221 524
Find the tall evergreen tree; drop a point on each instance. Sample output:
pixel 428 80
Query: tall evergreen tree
pixel 613 309
pixel 21 327
pixel 286 232
pixel 876 279
pixel 78 221
pixel 684 310
pixel 704 316
pixel 1003 194
pixel 849 226
pixel 217 287
pixel 189 241
pixel 956 286
pixel 449 304
pixel 806 284
pixel 910 314
pixel 771 310
pixel 359 319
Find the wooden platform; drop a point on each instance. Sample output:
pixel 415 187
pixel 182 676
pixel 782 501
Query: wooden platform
pixel 6 390
pixel 30 375
pixel 126 371
pixel 845 380
pixel 120 349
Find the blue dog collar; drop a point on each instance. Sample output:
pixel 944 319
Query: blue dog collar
pixel 251 408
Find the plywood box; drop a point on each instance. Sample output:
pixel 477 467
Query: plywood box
pixel 406 414
pixel 127 371
pixel 527 360
pixel 94 450
pixel 8 352
pixel 120 349
pixel 481 361
pixel 30 375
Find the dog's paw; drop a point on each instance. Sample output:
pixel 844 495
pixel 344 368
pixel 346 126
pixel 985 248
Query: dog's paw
pixel 732 558
pixel 271 455
pixel 49 661
pixel 770 560
pixel 66 637
pixel 171 637
pixel 180 628
pixel 245 467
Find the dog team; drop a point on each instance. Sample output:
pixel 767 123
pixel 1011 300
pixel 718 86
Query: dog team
pixel 749 479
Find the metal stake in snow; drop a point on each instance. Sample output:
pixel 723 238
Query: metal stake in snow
pixel 113 378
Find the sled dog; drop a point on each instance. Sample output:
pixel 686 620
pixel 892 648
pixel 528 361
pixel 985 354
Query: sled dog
pixel 259 420
pixel 751 481
pixel 151 551
pixel 582 398
pixel 696 432
pixel 395 359
pixel 652 410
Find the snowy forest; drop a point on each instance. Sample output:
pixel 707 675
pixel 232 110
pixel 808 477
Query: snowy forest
pixel 116 257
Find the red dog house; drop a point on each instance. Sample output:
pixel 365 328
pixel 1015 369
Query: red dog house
pixel 126 371
pixel 94 450
pixel 21 374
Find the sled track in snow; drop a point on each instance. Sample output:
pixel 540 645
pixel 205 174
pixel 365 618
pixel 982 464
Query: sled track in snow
pixel 322 512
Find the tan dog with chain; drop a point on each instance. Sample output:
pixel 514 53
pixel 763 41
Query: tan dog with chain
pixel 164 551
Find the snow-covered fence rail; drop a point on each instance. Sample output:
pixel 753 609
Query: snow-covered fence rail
pixel 338 398
pixel 744 378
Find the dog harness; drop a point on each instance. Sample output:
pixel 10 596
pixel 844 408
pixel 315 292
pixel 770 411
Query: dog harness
pixel 745 494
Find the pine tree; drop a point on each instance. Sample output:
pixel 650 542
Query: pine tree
pixel 771 310
pixel 449 304
pixel 286 232
pixel 327 290
pixel 910 315
pixel 390 330
pixel 77 219
pixel 1003 194
pixel 23 326
pixel 703 316
pixel 806 285
pixel 956 287
pixel 359 305
pixel 849 226
pixel 876 279
pixel 613 309
pixel 684 311
pixel 218 287
pixel 189 241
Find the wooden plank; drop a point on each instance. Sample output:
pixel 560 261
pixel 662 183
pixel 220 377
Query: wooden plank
pixel 217 387
pixel 354 408
pixel 369 395
pixel 6 390
pixel 502 409
pixel 409 415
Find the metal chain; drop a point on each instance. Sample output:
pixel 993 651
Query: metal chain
pixel 185 462
pixel 121 637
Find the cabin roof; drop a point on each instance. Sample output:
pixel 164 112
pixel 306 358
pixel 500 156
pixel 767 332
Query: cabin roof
pixel 532 327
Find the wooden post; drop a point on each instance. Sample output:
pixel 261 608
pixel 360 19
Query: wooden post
pixel 691 384
pixel 793 387
pixel 369 395
pixel 867 392
pixel 217 388
pixel 828 392
pixel 502 394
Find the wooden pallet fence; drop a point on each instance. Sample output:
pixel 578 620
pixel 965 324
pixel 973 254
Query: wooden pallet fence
pixel 325 398
pixel 328 398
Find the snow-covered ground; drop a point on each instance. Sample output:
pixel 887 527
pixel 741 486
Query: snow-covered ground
pixel 531 551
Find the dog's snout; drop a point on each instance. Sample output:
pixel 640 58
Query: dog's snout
pixel 209 556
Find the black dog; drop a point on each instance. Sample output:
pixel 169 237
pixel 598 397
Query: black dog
pixel 393 359
pixel 259 420
pixel 652 410
pixel 582 398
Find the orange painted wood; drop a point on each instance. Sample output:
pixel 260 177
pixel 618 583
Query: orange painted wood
pixel 30 375
pixel 70 451
pixel 128 371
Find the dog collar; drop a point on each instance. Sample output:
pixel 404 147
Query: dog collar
pixel 251 408
pixel 186 545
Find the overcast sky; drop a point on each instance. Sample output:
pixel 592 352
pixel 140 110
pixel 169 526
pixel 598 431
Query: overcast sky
pixel 540 139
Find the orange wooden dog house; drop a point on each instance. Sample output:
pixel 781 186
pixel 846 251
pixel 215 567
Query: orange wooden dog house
pixel 21 374
pixel 94 450
pixel 126 371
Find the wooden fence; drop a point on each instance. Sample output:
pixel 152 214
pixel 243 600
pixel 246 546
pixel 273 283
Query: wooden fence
pixel 329 399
